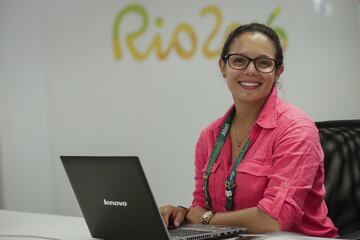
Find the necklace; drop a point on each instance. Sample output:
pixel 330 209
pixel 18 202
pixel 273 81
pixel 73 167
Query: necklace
pixel 239 142
pixel 239 139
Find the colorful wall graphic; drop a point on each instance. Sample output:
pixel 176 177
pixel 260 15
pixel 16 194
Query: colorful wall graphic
pixel 163 49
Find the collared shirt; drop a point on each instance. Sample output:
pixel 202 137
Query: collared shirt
pixel 282 173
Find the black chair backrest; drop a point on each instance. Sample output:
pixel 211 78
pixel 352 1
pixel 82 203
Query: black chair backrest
pixel 340 141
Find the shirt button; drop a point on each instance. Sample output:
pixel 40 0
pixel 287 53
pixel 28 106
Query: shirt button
pixel 285 185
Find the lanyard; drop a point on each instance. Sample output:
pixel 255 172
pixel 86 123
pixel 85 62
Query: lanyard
pixel 230 181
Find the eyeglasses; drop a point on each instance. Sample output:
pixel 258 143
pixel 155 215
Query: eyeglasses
pixel 240 62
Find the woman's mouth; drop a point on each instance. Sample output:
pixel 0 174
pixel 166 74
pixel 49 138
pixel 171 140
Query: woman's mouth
pixel 249 85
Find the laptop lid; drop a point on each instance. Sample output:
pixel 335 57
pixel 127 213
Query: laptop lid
pixel 114 197
pixel 117 203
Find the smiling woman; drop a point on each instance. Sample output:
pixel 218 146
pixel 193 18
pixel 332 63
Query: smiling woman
pixel 62 91
pixel 259 166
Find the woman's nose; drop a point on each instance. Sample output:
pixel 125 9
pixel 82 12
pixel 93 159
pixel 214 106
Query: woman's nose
pixel 251 69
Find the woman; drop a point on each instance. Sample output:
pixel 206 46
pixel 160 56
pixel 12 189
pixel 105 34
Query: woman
pixel 259 166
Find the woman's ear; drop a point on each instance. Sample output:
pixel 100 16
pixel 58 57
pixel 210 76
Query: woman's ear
pixel 279 71
pixel 222 67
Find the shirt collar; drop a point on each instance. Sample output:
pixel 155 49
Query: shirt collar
pixel 267 117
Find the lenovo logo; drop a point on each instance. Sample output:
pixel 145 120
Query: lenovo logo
pixel 115 203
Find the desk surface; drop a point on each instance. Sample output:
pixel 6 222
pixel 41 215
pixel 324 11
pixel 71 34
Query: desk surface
pixel 16 225
pixel 42 225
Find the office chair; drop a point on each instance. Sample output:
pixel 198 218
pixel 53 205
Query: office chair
pixel 340 141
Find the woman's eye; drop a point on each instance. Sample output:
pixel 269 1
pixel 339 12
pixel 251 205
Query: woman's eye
pixel 240 60
pixel 264 63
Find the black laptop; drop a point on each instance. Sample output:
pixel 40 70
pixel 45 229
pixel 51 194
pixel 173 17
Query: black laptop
pixel 117 203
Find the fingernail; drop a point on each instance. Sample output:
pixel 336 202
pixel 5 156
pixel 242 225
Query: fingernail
pixel 176 223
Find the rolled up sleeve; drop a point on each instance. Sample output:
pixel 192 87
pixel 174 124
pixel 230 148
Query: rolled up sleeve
pixel 296 159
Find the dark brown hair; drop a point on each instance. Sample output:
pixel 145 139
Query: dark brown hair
pixel 255 27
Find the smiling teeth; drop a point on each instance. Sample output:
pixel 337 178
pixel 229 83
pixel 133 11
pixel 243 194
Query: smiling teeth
pixel 248 84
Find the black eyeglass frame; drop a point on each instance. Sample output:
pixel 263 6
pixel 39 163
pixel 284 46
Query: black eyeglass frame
pixel 226 60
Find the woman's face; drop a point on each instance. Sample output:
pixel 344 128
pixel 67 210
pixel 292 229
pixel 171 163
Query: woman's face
pixel 249 85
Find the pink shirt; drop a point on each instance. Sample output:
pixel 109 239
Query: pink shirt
pixel 282 173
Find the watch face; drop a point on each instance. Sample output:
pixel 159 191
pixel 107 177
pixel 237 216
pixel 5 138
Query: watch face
pixel 206 217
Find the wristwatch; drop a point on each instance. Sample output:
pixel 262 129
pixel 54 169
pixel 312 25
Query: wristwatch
pixel 205 219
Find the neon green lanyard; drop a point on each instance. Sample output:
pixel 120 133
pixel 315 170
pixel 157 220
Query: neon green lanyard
pixel 230 181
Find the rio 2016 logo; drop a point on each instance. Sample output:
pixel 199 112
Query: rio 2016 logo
pixel 184 29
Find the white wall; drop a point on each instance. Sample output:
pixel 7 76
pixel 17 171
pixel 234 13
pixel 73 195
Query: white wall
pixel 26 173
pixel 62 91
pixel 322 65
pixel 358 13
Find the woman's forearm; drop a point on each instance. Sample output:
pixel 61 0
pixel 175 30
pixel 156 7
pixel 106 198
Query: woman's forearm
pixel 255 220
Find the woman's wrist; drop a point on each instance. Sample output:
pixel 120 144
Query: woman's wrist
pixel 195 214
pixel 185 208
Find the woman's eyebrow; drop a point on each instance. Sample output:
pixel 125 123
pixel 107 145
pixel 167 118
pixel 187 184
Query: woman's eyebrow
pixel 258 56
pixel 263 56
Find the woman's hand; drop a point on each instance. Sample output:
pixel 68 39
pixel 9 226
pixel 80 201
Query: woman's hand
pixel 173 215
pixel 195 215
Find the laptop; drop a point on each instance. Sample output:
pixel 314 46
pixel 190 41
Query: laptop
pixel 117 203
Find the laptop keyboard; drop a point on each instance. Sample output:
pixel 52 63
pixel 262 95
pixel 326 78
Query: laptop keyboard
pixel 181 232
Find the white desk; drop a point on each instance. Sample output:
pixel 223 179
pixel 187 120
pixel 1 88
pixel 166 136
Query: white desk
pixel 44 225
pixel 58 227
pixel 16 225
